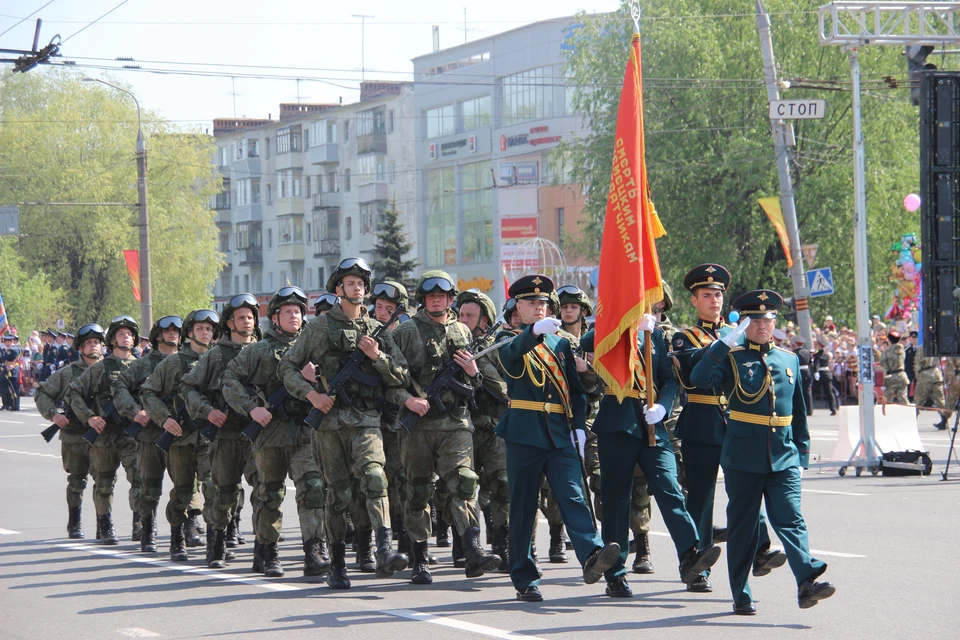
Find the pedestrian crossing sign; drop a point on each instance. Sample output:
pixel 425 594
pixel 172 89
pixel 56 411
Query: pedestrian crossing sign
pixel 820 282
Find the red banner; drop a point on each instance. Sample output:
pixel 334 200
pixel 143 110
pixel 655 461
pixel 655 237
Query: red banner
pixel 630 282
pixel 132 258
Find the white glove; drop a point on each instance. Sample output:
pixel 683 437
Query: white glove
pixel 647 323
pixel 580 442
pixel 547 325
pixel 654 414
pixel 816 376
pixel 801 472
pixel 733 337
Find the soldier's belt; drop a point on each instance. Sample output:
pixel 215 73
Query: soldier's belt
pixel 629 393
pixel 699 398
pixel 768 421
pixel 542 407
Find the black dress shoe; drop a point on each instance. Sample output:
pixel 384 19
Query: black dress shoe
pixel 599 561
pixel 767 561
pixel 700 585
pixel 810 593
pixel 695 562
pixel 719 535
pixel 748 609
pixel 618 588
pixel 530 594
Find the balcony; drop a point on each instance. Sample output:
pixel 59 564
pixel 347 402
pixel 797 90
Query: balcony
pixel 324 154
pixel 372 192
pixel 292 252
pixel 248 213
pixel 222 200
pixel 223 218
pixel 288 206
pixel 290 160
pixel 326 247
pixel 251 255
pixel 246 168
pixel 328 200
pixel 372 143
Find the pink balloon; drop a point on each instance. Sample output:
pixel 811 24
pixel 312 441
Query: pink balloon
pixel 912 202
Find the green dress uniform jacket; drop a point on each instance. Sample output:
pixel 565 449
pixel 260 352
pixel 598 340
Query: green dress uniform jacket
pixel 702 419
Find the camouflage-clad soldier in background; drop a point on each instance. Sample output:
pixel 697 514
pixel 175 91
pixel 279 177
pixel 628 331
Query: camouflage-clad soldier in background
pixel 929 389
pixel 151 460
pixel 283 447
pixel 164 403
pixel 442 440
pixel 952 368
pixel 895 378
pixel 90 396
pixel 478 313
pixel 349 437
pixel 74 450
pixel 231 455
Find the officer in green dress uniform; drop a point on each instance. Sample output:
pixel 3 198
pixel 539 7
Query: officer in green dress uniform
pixel 702 423
pixel 547 401
pixel 766 444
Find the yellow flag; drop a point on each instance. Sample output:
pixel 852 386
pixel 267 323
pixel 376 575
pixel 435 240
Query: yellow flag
pixel 771 206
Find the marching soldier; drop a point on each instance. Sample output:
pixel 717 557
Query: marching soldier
pixel 929 389
pixel 324 302
pixel 165 405
pixel 151 460
pixel 231 455
pixel 478 313
pixel 74 450
pixel 823 374
pixel 895 377
pixel 443 438
pixel 547 405
pixel 91 398
pixel 11 372
pixel 766 445
pixel 806 377
pixel 349 438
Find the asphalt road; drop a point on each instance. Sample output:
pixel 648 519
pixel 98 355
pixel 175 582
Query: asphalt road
pixel 891 544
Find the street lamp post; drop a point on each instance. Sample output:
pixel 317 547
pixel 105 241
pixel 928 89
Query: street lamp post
pixel 146 297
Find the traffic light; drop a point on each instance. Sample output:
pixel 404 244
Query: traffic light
pixel 789 309
pixel 916 64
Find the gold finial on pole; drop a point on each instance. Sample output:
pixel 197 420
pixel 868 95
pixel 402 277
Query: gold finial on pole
pixel 635 13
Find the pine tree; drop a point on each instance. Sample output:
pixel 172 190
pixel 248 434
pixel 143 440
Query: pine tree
pixel 392 245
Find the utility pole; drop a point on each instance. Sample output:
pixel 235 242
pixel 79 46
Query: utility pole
pixel 800 290
pixel 363 28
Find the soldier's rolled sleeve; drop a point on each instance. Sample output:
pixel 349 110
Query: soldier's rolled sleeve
pixel 309 347
pixel 125 401
pixel 709 372
pixel 154 388
pixel 80 388
pixel 232 383
pixel 195 382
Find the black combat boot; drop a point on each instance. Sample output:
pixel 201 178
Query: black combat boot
pixel 488 524
pixel 137 530
pixel 501 547
pixel 218 549
pixel 557 551
pixel 642 563
pixel 338 567
pixel 237 527
pixel 351 534
pixel 178 550
pixel 695 561
pixel 567 542
pixel 421 570
pixel 388 560
pixel 257 558
pixel 442 531
pixel 148 539
pixel 210 537
pixel 366 561
pixel 271 560
pixel 478 560
pixel 230 535
pixel 400 535
pixel 197 514
pixel 107 534
pixel 323 551
pixel 191 531
pixel 314 564
pixel 457 550
pixel 74 526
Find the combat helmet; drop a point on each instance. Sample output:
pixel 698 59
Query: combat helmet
pixel 285 296
pixel 239 301
pixel 391 291
pixel 164 323
pixel 478 297
pixel 87 331
pixel 433 281
pixel 202 315
pixel 349 267
pixel 572 294
pixel 122 322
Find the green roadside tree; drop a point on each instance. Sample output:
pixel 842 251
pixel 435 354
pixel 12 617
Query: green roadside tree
pixel 392 247
pixel 30 299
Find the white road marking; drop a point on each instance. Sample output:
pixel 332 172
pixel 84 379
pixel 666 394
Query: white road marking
pixel 12 422
pixel 135 632
pixel 834 554
pixel 453 623
pixel 7 532
pixel 834 493
pixel 210 573
pixel 25 435
pixel 30 453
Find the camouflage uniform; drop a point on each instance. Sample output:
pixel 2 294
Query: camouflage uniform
pixel 953 390
pixel 929 387
pixel 895 378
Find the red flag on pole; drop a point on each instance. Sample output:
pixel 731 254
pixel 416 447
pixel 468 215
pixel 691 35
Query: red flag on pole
pixel 132 258
pixel 630 282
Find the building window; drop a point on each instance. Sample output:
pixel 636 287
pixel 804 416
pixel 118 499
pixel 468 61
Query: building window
pixel 533 94
pixel 475 113
pixel 308 187
pixel 270 241
pixel 238 148
pixel 288 139
pixel 291 229
pixel 309 279
pixel 476 202
pixel 370 168
pixel 371 121
pixel 441 217
pixel 331 184
pixel 246 282
pixel 346 131
pixel 236 284
pixel 269 195
pixel 370 216
pixel 390 117
pixel 306 139
pixel 249 235
pixel 284 280
pixel 440 121
pixel 225 242
pixel 257 282
pixel 309 233
pixel 348 228
pixel 560 222
pixel 346 179
pixel 393 172
pixel 270 280
pixel 253 148
pixel 224 154
pixel 248 191
pixel 321 277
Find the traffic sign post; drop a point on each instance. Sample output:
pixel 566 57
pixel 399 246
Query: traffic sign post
pixel 797 109
pixel 820 282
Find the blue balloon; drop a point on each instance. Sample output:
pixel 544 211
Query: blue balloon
pixel 734 317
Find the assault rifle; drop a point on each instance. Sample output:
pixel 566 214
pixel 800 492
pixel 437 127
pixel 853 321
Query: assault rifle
pixel 274 403
pixel 350 371
pixel 165 441
pixel 109 413
pixel 53 429
pixel 446 379
pixel 135 428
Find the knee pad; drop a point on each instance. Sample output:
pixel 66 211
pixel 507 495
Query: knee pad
pixel 342 495
pixel 374 481
pixel 152 490
pixel 467 483
pixel 273 493
pixel 419 493
pixel 315 492
pixel 183 495
pixel 229 496
pixel 76 484
pixel 105 483
pixel 500 488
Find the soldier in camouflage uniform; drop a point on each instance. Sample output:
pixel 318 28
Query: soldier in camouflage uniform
pixel 283 448
pixel 90 397
pixel 478 313
pixel 151 460
pixel 349 438
pixel 895 378
pixel 953 392
pixel 165 405
pixel 929 389
pixel 231 455
pixel 74 450
pixel 443 439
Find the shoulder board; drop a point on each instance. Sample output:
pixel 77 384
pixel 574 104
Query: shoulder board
pixel 739 347
pixel 784 350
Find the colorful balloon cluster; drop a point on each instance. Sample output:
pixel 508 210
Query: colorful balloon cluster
pixel 905 275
